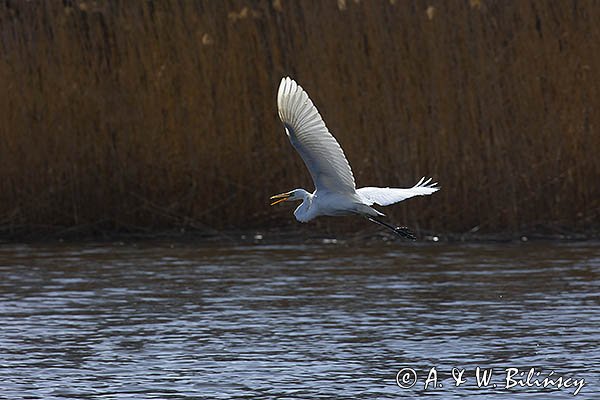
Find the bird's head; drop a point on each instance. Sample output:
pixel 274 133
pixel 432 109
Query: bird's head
pixel 294 195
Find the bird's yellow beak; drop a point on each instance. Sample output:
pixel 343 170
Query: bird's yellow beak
pixel 279 198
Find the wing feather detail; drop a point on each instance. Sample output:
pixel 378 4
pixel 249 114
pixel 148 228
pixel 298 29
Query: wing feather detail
pixel 307 132
pixel 387 196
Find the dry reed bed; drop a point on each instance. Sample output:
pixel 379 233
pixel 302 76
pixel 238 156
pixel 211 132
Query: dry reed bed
pixel 153 115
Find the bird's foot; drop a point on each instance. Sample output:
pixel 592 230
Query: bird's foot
pixel 404 232
pixel 401 231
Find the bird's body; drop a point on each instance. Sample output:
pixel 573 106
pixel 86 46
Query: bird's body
pixel 322 203
pixel 335 191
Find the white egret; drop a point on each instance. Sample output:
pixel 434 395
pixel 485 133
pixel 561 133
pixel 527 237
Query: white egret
pixel 335 191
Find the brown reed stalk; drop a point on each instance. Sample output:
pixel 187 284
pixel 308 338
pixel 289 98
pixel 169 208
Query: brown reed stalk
pixel 160 115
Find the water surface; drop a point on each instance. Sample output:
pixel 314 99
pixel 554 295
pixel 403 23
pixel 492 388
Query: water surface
pixel 161 320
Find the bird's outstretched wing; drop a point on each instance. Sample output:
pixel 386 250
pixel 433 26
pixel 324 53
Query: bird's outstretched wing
pixel 387 196
pixel 308 134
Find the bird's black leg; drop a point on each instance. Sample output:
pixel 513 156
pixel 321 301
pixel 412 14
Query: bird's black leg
pixel 401 231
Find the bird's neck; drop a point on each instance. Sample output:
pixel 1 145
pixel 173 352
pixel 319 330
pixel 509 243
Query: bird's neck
pixel 303 211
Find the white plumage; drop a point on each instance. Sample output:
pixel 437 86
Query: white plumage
pixel 335 191
pixel 386 196
pixel 311 139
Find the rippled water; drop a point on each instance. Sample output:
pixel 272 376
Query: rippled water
pixel 308 321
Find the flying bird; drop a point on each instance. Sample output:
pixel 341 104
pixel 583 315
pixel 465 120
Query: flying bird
pixel 335 191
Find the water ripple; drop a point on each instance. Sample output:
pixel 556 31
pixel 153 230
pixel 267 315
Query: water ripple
pixel 310 321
